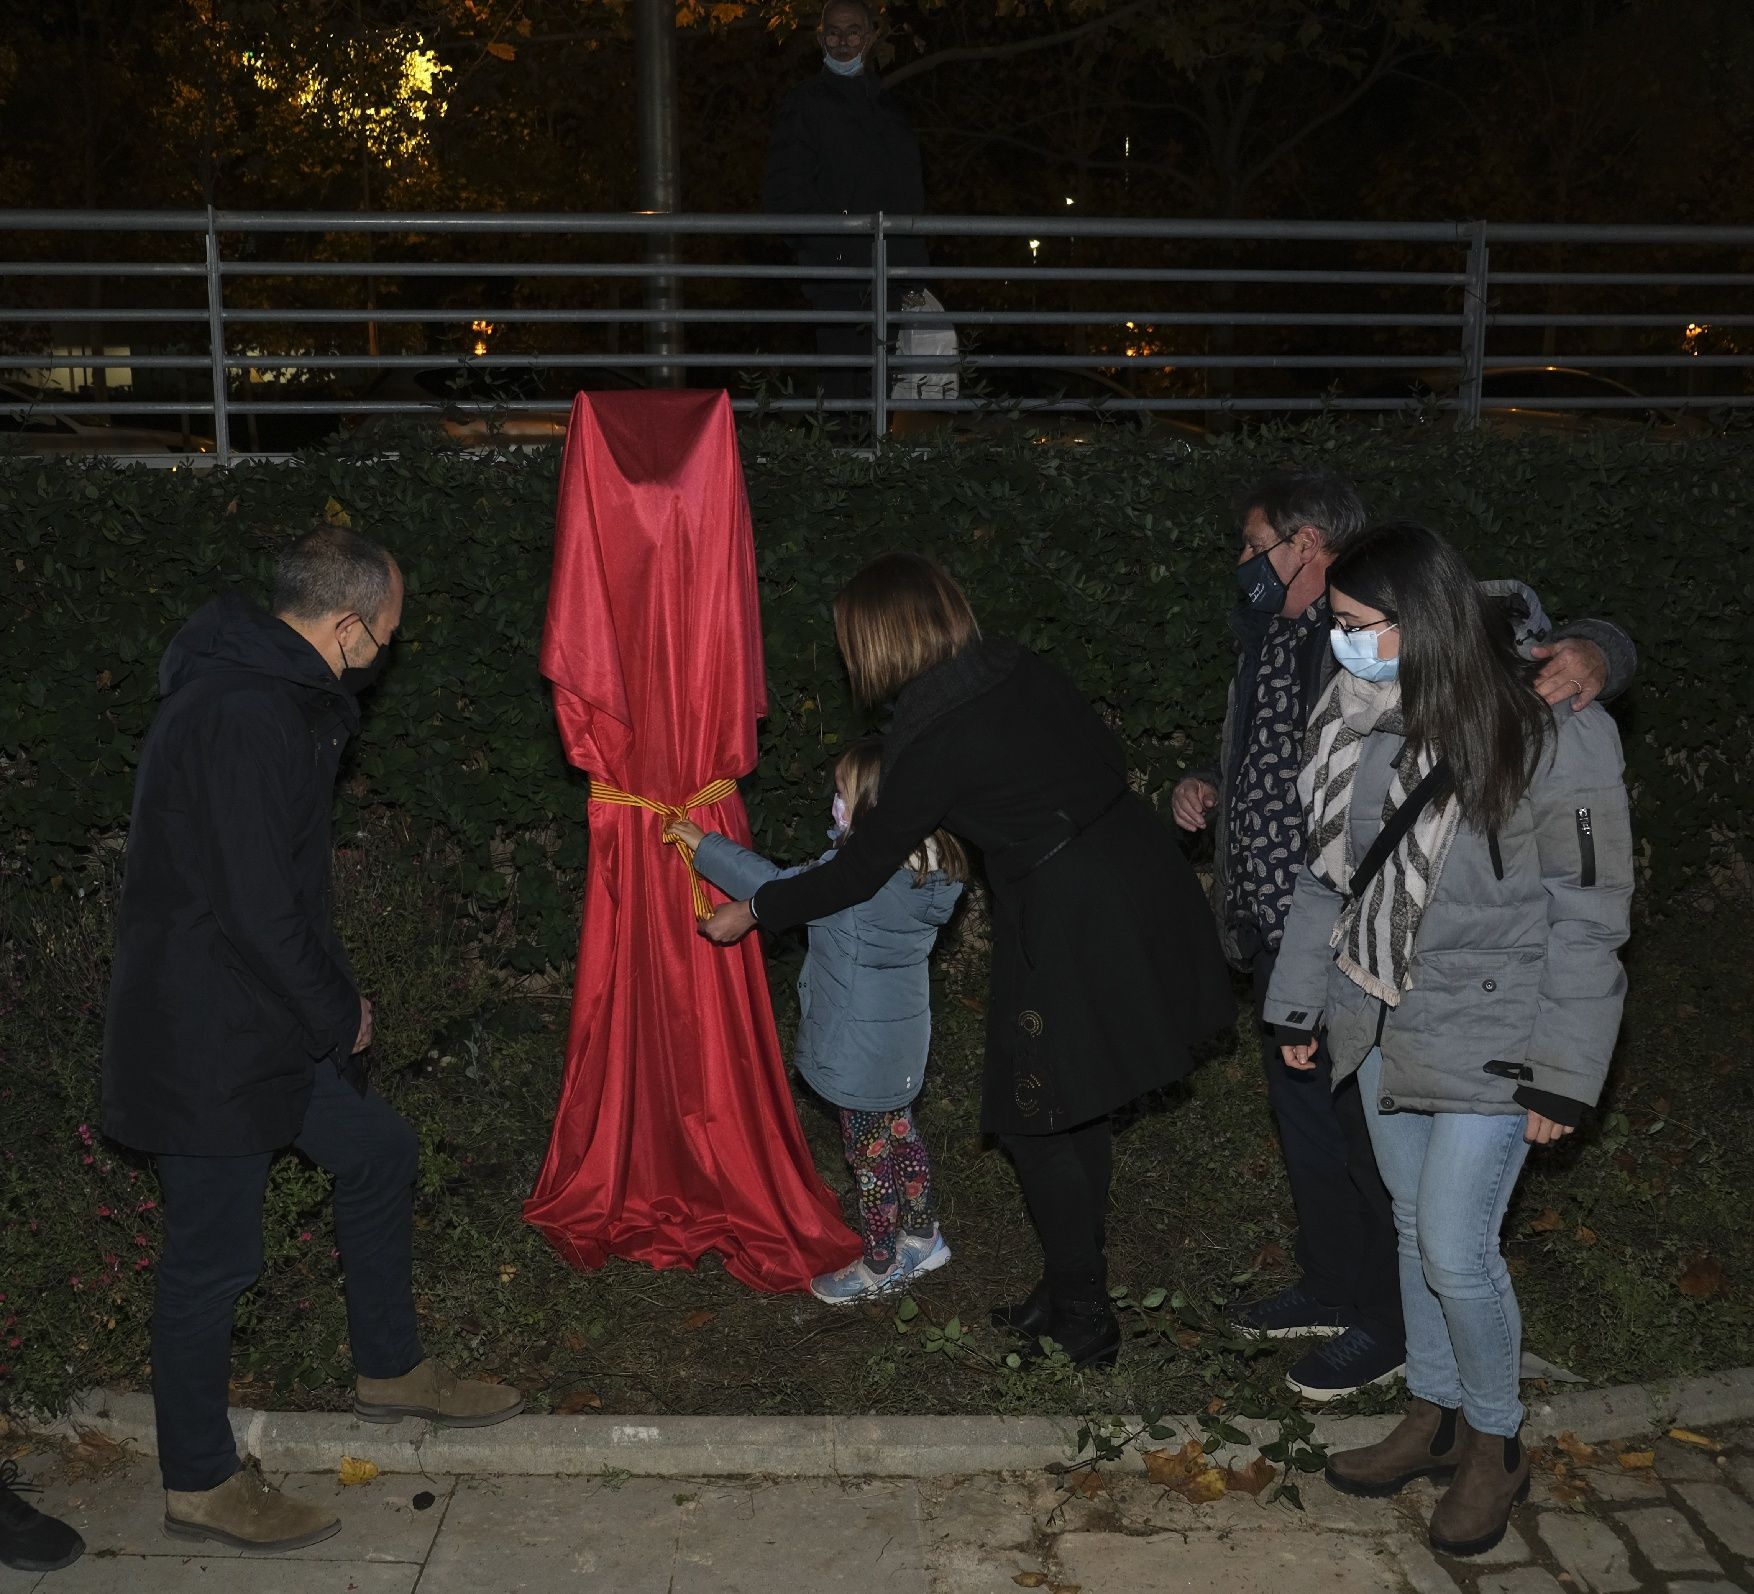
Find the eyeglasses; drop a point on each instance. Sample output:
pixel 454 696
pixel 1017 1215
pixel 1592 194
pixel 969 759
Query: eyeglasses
pixel 1366 625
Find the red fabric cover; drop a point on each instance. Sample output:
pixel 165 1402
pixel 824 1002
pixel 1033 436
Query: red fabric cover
pixel 676 1134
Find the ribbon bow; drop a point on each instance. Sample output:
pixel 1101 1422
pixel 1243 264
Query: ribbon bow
pixel 718 791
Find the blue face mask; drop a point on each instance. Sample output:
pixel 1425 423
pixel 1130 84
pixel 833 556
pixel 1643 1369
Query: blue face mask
pixel 1356 651
pixel 850 68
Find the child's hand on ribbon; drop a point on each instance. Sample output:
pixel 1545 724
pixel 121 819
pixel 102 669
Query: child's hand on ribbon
pixel 686 831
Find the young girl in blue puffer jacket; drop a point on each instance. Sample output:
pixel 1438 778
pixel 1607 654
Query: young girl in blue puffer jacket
pixel 865 1024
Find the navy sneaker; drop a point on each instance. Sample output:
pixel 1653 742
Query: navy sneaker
pixel 1291 1314
pixel 1343 1366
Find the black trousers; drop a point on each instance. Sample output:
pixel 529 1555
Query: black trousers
pixel 213 1253
pixel 1065 1179
pixel 1346 1245
pixel 847 340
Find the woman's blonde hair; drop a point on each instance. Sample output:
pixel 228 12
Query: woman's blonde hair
pixel 897 618
pixel 858 772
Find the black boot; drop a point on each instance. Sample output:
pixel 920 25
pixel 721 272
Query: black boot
pixel 1087 1331
pixel 1029 1317
pixel 29 1540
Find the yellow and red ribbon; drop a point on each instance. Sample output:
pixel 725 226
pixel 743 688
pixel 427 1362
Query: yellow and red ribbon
pixel 717 791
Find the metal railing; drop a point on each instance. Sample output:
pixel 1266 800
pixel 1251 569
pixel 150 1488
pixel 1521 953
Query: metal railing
pixel 249 322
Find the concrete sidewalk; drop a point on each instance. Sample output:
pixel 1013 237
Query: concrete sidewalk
pixel 1683 1526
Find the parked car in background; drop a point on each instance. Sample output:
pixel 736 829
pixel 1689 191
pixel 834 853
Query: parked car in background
pixel 25 429
pixel 1521 398
pixel 470 405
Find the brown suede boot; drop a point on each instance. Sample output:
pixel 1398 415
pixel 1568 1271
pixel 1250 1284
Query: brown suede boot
pixel 1491 1477
pixel 433 1391
pixel 248 1513
pixel 1427 1444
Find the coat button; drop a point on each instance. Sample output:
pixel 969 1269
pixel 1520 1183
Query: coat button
pixel 1489 985
pixel 1387 1104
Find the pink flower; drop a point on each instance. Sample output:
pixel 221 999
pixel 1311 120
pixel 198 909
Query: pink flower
pixel 103 1212
pixel 85 1136
pixel 305 1238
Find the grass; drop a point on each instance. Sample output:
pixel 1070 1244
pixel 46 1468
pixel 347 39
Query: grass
pixel 1631 1256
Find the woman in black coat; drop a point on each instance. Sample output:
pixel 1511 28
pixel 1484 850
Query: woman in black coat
pixel 1105 966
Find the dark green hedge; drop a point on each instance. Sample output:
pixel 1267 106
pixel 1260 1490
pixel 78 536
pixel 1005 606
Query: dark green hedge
pixel 1112 559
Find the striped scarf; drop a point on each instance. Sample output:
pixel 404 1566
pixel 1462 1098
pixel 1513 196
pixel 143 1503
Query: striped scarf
pixel 1373 937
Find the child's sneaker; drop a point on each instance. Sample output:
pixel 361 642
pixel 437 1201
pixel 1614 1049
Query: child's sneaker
pixel 922 1253
pixel 856 1282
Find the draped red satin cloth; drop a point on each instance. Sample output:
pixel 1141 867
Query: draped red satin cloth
pixel 676 1134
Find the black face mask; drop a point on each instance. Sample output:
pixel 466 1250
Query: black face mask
pixel 1263 588
pixel 357 678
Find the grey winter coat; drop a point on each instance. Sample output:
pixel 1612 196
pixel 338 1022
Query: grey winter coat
pixel 1532 626
pixel 865 1014
pixel 1516 970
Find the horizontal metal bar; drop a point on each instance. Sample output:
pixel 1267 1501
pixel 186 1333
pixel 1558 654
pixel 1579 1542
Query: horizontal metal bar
pixel 77 408
pixel 1616 362
pixel 803 316
pixel 1626 279
pixel 99 268
pixel 1679 320
pixel 101 315
pixel 1178 318
pixel 1517 232
pixel 1035 273
pixel 105 362
pixel 541 269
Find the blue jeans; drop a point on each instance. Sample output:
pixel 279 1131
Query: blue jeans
pixel 213 1251
pixel 1450 1175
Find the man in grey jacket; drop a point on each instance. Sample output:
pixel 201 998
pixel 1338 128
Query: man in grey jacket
pixel 1293 525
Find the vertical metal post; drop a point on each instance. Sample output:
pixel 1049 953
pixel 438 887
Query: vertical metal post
pixel 216 342
pixel 659 169
pixel 879 331
pixel 1475 301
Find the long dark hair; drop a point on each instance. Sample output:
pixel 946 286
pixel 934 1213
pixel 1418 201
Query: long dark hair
pixel 1466 694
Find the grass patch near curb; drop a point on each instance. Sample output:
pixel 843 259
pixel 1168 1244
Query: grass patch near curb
pixel 1630 1257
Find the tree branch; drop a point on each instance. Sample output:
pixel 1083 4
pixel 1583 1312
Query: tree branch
pixel 999 52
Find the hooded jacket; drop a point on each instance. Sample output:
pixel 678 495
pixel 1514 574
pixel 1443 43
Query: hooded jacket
pixel 229 984
pixel 864 997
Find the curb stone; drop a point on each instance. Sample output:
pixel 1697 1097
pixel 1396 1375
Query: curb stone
pixel 821 1447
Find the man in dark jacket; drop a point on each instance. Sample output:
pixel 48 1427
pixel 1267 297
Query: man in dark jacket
pixel 842 146
pixel 235 1027
pixel 1293 526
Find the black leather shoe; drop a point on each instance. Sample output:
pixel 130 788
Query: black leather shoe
pixel 29 1540
pixel 1029 1317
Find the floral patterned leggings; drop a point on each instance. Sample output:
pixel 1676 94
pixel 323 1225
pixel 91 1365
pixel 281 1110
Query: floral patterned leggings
pixel 894 1180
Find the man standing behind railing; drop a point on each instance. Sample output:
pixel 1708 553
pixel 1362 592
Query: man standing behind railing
pixel 843 145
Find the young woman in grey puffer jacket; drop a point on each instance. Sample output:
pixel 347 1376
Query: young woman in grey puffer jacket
pixel 1469 975
pixel 865 1024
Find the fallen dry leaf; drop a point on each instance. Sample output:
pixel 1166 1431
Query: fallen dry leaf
pixel 1065 1588
pixel 1188 1471
pixel 353 1471
pixel 1215 1406
pixel 697 1320
pixel 570 1405
pixel 1584 1455
pixel 1702 1278
pixel 1585 1235
pixel 1270 1255
pixel 1637 1460
pixel 1572 1491
pixel 1187 1338
pixel 1546 1223
pixel 1031 1580
pixel 1686 1436
pixel 1090 1484
pixel 1251 1479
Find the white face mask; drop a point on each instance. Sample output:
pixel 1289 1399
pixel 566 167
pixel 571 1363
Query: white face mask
pixel 850 68
pixel 842 819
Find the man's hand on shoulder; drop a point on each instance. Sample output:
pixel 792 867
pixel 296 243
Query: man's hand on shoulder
pixel 1575 669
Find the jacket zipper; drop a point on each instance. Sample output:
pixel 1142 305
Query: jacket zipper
pixel 1586 847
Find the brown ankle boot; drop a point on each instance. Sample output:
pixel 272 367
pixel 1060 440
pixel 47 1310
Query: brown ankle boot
pixel 1427 1444
pixel 248 1513
pixel 433 1391
pixel 1491 1477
